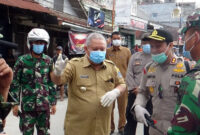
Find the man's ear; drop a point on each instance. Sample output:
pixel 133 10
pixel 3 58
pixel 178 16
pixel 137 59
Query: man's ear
pixel 86 49
pixel 171 45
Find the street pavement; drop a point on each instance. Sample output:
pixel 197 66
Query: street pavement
pixel 56 122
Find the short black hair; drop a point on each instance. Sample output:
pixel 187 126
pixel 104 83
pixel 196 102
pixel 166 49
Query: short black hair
pixel 59 48
pixel 115 33
pixel 144 37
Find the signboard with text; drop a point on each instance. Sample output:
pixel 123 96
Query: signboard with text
pixel 138 25
pixel 123 12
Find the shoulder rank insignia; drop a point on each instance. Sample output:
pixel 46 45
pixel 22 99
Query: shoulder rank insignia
pixel 173 60
pixel 137 62
pixel 179 67
pixel 151 89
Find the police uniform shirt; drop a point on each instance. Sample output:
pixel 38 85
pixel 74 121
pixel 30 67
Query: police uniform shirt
pixel 135 69
pixel 161 82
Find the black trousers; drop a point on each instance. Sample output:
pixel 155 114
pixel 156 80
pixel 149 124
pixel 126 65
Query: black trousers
pixel 130 127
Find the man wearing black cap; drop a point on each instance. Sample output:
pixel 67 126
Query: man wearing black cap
pixel 59 50
pixel 133 77
pixel 186 120
pixel 161 79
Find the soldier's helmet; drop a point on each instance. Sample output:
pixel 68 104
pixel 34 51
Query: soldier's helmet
pixel 193 20
pixel 38 34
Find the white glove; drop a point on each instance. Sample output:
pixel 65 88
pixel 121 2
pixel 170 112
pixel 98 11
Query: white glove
pixel 60 65
pixel 140 112
pixel 109 97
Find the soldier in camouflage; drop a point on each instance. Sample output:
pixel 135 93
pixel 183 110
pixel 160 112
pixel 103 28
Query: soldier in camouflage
pixel 32 81
pixel 187 112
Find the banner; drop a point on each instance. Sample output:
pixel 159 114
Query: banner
pixel 76 42
pixel 123 12
pixel 138 25
pixel 96 18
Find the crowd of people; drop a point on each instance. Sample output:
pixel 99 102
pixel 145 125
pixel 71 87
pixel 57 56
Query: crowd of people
pixel 152 84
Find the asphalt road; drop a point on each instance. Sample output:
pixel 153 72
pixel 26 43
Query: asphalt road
pixel 57 122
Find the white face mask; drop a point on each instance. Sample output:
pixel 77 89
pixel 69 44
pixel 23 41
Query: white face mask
pixel 116 42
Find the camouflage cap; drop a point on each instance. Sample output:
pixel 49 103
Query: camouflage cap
pixel 193 20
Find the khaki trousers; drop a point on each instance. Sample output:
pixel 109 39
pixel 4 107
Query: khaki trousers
pixel 122 103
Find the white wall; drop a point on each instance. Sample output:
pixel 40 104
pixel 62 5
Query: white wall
pixel 46 3
pixel 69 9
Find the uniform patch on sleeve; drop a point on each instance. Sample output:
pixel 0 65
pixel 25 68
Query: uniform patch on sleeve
pixel 185 119
pixel 118 72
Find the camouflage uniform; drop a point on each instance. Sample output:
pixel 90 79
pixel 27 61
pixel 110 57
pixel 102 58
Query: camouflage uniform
pixel 32 80
pixel 187 113
pixel 186 120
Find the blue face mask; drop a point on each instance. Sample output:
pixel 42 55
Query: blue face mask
pixel 186 53
pixel 160 58
pixel 146 48
pixel 97 56
pixel 38 49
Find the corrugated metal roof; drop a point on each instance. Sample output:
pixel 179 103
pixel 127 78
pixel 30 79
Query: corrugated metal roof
pixel 25 4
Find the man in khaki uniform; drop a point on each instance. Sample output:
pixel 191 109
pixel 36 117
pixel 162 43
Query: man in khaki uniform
pixel 133 78
pixel 120 56
pixel 161 80
pixel 94 83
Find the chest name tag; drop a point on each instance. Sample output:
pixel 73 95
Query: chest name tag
pixel 151 83
pixel 84 76
pixel 152 69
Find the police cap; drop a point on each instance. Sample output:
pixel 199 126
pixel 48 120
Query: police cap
pixel 161 35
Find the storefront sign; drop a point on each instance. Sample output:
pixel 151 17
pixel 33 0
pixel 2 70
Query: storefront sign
pixel 138 25
pixel 123 12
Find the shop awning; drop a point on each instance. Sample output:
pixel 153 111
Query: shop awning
pixel 44 14
pixel 84 28
pixel 26 4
